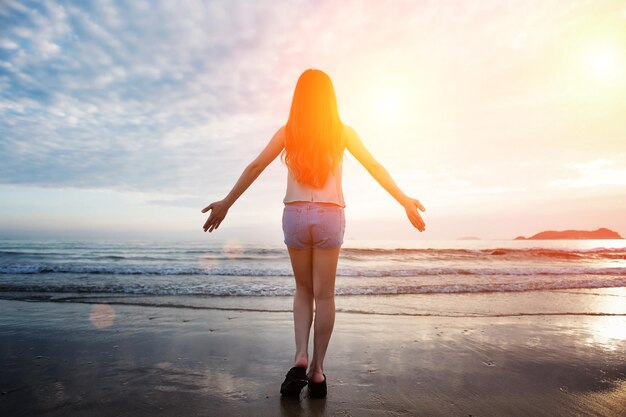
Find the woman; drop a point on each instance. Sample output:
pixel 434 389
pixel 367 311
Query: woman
pixel 312 145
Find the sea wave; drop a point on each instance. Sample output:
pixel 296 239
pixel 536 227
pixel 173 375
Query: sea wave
pixel 564 253
pixel 251 253
pixel 223 289
pixel 237 270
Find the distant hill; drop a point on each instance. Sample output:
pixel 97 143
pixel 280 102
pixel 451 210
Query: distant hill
pixel 602 233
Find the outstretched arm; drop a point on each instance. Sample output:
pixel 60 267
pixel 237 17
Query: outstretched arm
pixel 380 174
pixel 219 209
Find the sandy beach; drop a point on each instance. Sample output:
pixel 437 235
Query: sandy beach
pixel 70 359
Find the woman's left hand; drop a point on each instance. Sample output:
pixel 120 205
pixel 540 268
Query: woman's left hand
pixel 219 209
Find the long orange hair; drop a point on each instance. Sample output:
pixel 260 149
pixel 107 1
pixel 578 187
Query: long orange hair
pixel 314 131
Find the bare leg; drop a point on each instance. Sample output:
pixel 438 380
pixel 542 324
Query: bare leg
pixel 324 271
pixel 301 262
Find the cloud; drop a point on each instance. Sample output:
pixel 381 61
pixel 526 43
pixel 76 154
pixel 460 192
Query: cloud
pixel 100 96
pixel 8 44
pixel 180 202
pixel 592 174
pixel 166 96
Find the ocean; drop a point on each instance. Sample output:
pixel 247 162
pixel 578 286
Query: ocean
pixel 232 269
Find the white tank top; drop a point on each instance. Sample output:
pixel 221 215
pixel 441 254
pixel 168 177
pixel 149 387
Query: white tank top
pixel 331 192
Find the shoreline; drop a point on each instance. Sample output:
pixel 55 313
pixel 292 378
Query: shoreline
pixel 73 359
pixel 602 301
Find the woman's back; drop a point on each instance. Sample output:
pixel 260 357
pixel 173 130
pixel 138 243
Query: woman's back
pixel 330 192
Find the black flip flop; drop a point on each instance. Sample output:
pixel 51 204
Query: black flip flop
pixel 294 381
pixel 317 389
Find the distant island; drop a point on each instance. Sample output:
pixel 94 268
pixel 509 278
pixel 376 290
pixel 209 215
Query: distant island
pixel 602 233
pixel 469 238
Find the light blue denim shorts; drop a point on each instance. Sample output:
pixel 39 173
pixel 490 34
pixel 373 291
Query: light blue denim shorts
pixel 313 225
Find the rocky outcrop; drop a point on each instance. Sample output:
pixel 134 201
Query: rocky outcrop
pixel 602 233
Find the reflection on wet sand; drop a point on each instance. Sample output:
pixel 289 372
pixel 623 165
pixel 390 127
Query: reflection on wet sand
pixel 180 361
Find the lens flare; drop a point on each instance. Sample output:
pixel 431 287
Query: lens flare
pixel 102 315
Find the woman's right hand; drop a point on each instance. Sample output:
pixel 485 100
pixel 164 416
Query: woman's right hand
pixel 411 206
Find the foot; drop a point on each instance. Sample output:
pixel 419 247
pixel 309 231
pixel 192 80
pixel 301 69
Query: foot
pixel 317 385
pixel 316 376
pixel 294 381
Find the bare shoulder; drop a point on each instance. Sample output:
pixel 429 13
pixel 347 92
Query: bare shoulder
pixel 348 130
pixel 350 135
pixel 279 136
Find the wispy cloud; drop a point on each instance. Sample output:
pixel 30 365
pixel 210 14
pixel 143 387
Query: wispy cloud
pixel 99 95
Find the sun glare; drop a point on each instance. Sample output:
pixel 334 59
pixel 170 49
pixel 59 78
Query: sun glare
pixel 389 105
pixel 603 61
pixel 610 331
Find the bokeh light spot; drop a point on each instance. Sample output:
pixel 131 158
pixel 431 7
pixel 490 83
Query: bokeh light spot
pixel 102 315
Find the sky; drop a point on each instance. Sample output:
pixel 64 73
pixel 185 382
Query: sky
pixel 122 120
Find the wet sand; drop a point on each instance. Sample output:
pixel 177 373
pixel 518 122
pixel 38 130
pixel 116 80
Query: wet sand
pixel 70 359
